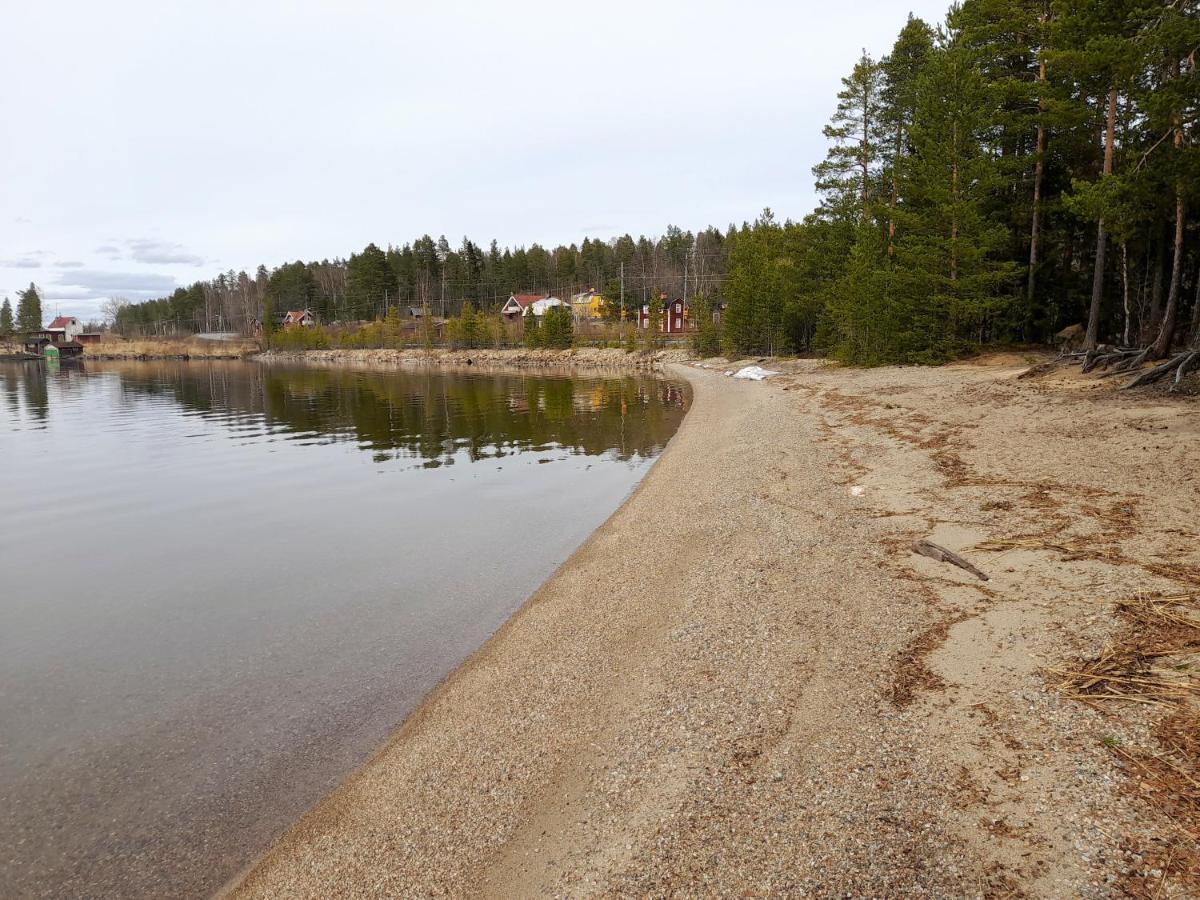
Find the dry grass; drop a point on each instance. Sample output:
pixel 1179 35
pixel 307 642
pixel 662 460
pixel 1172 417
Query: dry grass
pixel 1136 666
pixel 190 348
pixel 1149 662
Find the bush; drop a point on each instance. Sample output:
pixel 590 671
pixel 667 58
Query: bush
pixel 558 328
pixel 532 334
pixel 312 338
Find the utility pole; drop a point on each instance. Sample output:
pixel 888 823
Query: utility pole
pixel 622 292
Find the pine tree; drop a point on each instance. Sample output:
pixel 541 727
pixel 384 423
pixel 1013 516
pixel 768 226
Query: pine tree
pixel 29 309
pixel 849 176
pixel 1094 48
pixel 6 319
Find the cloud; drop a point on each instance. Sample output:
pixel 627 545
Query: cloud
pixel 22 262
pixel 109 250
pixel 68 264
pixel 144 250
pixel 81 284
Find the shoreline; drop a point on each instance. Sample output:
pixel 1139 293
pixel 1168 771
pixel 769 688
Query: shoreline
pixel 744 680
pixel 577 359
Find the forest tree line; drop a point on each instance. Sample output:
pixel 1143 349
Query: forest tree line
pixel 1021 167
pixel 431 273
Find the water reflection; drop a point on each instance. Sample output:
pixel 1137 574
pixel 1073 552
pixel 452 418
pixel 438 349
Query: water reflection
pixel 426 416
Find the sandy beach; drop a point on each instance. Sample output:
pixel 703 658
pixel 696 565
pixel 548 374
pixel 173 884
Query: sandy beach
pixel 746 683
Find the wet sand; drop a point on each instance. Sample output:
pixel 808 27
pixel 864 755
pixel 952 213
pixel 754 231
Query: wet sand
pixel 746 683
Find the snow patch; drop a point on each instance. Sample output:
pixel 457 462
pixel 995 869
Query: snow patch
pixel 754 373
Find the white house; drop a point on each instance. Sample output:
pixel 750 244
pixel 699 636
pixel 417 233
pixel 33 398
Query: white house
pixel 539 307
pixel 67 326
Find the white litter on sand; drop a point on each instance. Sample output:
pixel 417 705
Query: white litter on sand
pixel 754 373
pixel 857 491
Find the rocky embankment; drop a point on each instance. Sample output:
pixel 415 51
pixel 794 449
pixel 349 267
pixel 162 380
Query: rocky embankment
pixel 587 358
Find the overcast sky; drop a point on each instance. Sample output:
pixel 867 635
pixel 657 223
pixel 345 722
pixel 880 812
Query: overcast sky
pixel 151 144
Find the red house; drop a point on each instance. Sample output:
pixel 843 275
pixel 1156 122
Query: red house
pixel 672 317
pixel 299 318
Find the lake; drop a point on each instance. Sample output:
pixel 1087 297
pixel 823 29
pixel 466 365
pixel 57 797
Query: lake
pixel 226 583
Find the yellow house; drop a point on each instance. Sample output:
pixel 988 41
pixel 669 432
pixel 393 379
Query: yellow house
pixel 588 305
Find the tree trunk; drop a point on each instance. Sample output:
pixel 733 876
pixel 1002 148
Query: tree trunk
pixel 1093 324
pixel 863 154
pixel 891 250
pixel 1195 330
pixel 1126 335
pixel 954 207
pixel 1166 332
pixel 1154 314
pixel 1038 171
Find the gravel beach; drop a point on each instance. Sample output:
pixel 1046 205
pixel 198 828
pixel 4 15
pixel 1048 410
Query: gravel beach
pixel 745 683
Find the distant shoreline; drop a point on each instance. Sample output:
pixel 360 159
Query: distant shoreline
pixel 584 358
pixel 581 359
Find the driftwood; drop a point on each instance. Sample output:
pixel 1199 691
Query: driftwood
pixel 941 554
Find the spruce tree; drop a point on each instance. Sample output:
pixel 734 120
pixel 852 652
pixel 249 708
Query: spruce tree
pixel 531 334
pixel 558 328
pixel 900 69
pixel 370 282
pixel 29 309
pixel 759 287
pixel 949 267
pixel 6 319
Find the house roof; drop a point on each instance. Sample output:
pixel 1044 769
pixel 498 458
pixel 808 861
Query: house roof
pixel 523 300
pixel 539 306
pixel 296 315
pixel 62 322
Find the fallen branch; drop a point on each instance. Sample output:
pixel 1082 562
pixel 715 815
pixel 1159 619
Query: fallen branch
pixel 941 554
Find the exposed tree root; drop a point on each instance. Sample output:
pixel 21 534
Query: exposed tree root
pixel 1181 362
pixel 1107 356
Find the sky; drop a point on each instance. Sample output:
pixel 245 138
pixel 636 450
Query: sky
pixel 149 145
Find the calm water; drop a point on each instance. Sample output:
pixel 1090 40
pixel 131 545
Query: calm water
pixel 224 585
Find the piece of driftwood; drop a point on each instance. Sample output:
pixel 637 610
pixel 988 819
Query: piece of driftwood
pixel 941 554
